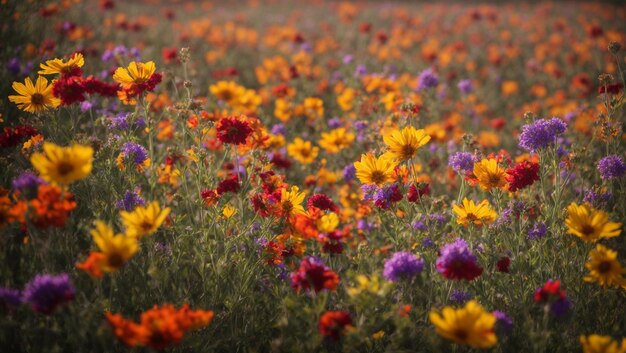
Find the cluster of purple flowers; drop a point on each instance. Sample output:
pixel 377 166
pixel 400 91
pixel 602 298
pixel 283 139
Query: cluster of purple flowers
pixel 135 152
pixel 382 197
pixel 121 122
pixel 465 86
pixel 130 201
pixel 458 262
pixel 27 184
pixel 427 79
pixel 611 167
pixel 460 297
pixel 402 265
pixel 537 231
pixel 462 162
pixel 597 199
pixel 44 293
pixel 121 51
pixel 541 134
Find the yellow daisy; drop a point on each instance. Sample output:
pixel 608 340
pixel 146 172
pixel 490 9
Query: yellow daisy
pixel 291 202
pixel 63 165
pixel 403 144
pixel 489 174
pixel 471 325
pixel 470 212
pixel 35 98
pixel 136 73
pixel 604 268
pixel 116 249
pixel 336 140
pixel 590 224
pixel 302 151
pixel 372 170
pixel 602 344
pixel 61 67
pixel 143 221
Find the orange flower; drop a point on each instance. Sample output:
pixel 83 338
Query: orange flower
pixel 92 264
pixel 127 331
pixel 51 207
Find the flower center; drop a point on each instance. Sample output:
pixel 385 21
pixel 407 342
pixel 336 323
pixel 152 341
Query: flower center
pixel 37 98
pixel 587 230
pixel 145 226
pixel 115 260
pixel 377 177
pixel 471 217
pixel 461 334
pixel 604 267
pixel 407 151
pixel 494 179
pixel 64 168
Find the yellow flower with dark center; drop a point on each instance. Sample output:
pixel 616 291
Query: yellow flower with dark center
pixel 116 249
pixel 602 344
pixel 143 221
pixel 372 170
pixel 291 202
pixel 471 213
pixel 35 98
pixel 470 325
pixel 137 73
pixel 302 151
pixel 336 140
pixel 604 268
pixel 227 91
pixel 61 67
pixel 63 165
pixel 590 224
pixel 403 144
pixel 489 174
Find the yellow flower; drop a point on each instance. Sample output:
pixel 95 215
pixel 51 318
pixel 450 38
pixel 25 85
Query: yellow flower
pixel 291 202
pixel 327 223
pixel 248 102
pixel 471 325
pixel 283 110
pixel 346 99
pixel 604 268
pixel 404 143
pixel 143 221
pixel 117 249
pixel 35 98
pixel 602 344
pixel 372 170
pixel 227 91
pixel 229 211
pixel 470 212
pixel 590 224
pixel 489 174
pixel 313 107
pixel 58 66
pixel 372 285
pixel 63 165
pixel 302 151
pixel 336 140
pixel 136 73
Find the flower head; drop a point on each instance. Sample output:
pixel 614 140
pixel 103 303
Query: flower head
pixel 462 162
pixel 456 261
pixel 604 268
pixel 71 67
pixel 476 214
pixel 291 202
pixel 521 175
pixel 143 221
pixel 402 265
pixel 333 324
pixel 34 98
pixel 233 130
pixel 602 344
pixel 403 144
pixel 470 325
pixel 46 292
pixel 590 224
pixel 611 167
pixel 540 134
pixel 372 170
pixel 427 79
pixel 116 249
pixel 489 174
pixel 313 275
pixel 63 165
pixel 302 151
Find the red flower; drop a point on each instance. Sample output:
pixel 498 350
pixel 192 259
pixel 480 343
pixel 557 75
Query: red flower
pixel 416 192
pixel 230 184
pixel 313 274
pixel 551 289
pixel 333 324
pixel 322 202
pixel 612 88
pixel 523 174
pixel 93 85
pixel 233 130
pixel 170 55
pixel 503 264
pixel 69 90
pixel 13 136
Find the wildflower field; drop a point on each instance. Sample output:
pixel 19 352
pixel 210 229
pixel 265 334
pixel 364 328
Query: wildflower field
pixel 312 176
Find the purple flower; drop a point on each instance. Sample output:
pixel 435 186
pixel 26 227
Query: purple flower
pixel 597 199
pixel 402 265
pixel 427 242
pixel 561 307
pixel 456 261
pixel 419 225
pixel 540 134
pixel 460 297
pixel 427 79
pixel 278 129
pixel 611 167
pixel 120 121
pixel 134 151
pixel 360 70
pixel 504 322
pixel 334 123
pixel 130 201
pixel 9 298
pixel 86 106
pixel 369 191
pixel 465 86
pixel 462 162
pixel 438 218
pixel 349 172
pixel 13 65
pixel 107 55
pixel 347 59
pixel 46 292
pixel 537 231
pixel 27 183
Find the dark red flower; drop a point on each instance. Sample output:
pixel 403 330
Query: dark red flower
pixel 230 184
pixel 333 324
pixel 69 90
pixel 94 86
pixel 313 274
pixel 521 175
pixel 233 130
pixel 12 136
pixel 613 88
pixel 170 55
pixel 503 264
pixel 417 191
pixel 322 202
